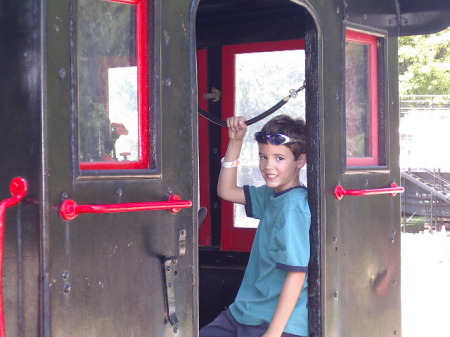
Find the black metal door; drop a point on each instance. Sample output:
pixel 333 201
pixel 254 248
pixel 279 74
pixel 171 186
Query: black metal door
pixel 126 273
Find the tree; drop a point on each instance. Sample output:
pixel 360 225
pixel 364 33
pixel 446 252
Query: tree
pixel 424 64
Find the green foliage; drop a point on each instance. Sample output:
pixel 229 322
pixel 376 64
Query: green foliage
pixel 424 64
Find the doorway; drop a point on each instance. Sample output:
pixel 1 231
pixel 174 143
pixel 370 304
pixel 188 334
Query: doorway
pixel 229 35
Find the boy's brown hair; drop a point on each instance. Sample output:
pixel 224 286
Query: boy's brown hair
pixel 293 128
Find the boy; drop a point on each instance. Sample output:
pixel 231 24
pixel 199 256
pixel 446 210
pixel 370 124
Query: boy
pixel 272 299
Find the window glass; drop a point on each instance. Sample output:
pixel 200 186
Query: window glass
pixel 261 80
pixel 357 99
pixel 361 99
pixel 111 76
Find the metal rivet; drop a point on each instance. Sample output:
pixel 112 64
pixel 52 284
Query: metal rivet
pixel 65 275
pixel 167 82
pixel 169 190
pixel 66 288
pixel 62 72
pixel 64 195
pixel 336 294
pixel 119 192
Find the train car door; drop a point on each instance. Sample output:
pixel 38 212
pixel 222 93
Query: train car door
pixel 117 132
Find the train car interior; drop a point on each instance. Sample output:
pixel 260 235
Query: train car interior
pixel 250 55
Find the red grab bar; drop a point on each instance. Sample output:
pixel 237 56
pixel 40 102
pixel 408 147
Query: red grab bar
pixel 19 189
pixel 339 191
pixel 69 209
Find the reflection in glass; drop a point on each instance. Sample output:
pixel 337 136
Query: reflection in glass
pixel 357 100
pixel 107 81
pixel 262 79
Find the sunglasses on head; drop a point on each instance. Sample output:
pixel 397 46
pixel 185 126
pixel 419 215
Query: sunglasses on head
pixel 275 138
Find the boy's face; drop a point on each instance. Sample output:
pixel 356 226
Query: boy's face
pixel 278 166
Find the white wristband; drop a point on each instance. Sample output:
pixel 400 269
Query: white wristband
pixel 229 164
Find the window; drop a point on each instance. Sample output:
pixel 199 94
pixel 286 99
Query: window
pixel 361 99
pixel 112 76
pixel 255 77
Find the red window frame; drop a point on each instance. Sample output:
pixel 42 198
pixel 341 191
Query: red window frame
pixel 142 46
pixel 233 238
pixel 372 42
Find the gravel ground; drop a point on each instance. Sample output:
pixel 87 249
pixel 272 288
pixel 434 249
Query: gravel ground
pixel 426 285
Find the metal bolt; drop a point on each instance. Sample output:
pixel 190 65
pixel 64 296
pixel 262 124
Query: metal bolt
pixel 167 82
pixel 169 190
pixel 64 195
pixel 336 294
pixel 65 275
pixel 66 288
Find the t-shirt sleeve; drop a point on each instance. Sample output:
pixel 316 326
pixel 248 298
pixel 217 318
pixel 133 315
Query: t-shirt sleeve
pixel 293 241
pixel 255 200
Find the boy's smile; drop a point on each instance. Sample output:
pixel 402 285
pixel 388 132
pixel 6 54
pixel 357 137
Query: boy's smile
pixel 278 167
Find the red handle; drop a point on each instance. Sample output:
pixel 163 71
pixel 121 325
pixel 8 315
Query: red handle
pixel 19 189
pixel 69 209
pixel 339 191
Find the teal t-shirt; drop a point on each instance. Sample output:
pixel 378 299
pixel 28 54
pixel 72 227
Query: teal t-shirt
pixel 281 245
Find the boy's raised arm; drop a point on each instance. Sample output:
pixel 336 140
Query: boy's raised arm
pixel 227 187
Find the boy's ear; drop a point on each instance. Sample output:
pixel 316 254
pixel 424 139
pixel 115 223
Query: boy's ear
pixel 301 161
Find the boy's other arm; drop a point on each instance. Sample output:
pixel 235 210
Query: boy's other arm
pixel 288 299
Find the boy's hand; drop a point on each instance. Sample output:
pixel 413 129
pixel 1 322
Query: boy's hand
pixel 236 128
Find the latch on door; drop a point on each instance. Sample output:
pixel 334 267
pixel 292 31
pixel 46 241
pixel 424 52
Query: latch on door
pixel 170 272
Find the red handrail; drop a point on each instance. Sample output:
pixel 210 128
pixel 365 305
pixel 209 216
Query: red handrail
pixel 69 209
pixel 19 189
pixel 340 191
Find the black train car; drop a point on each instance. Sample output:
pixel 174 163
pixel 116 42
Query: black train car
pixel 99 102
